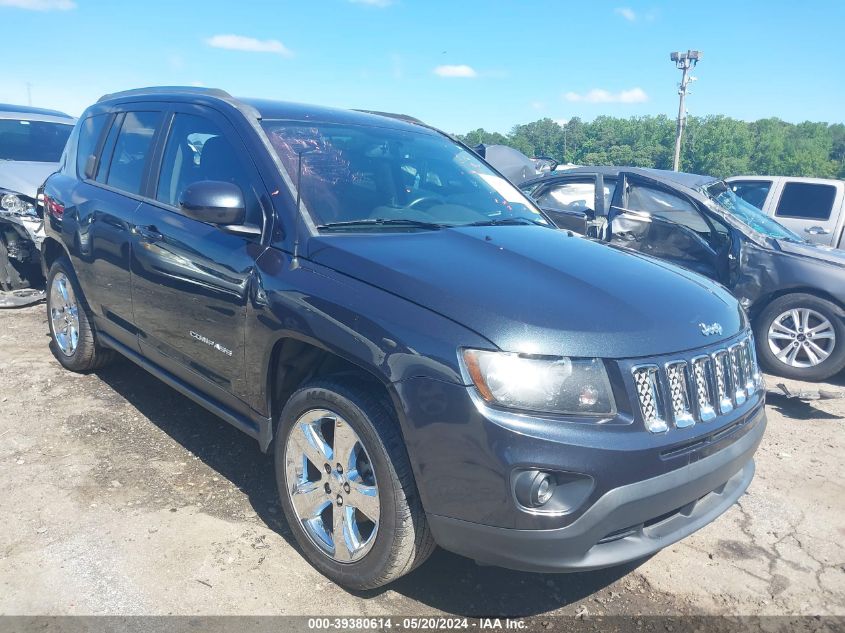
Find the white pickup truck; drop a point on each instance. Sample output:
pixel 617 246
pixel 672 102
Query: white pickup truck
pixel 812 207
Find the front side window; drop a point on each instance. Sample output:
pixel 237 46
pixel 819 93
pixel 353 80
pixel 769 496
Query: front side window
pixel 368 178
pixel 90 131
pixel 131 150
pixel 752 191
pixel 806 201
pixel 197 149
pixel 33 141
pixel 667 206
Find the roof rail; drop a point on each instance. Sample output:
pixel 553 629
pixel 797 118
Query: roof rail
pixel 392 115
pixel 157 90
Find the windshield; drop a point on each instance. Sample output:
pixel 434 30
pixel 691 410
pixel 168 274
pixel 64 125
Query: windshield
pixel 747 213
pixel 377 178
pixel 37 141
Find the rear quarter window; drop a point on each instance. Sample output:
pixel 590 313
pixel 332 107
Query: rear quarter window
pixel 90 131
pixel 806 201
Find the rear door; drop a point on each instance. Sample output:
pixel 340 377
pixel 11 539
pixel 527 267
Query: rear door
pixel 651 217
pixel 811 208
pixel 190 279
pixel 575 202
pixel 111 171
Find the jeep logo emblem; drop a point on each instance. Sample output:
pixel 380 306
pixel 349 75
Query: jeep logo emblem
pixel 709 330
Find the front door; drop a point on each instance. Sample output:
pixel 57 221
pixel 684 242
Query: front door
pixel 191 280
pixel 653 218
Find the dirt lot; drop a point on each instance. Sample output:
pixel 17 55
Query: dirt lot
pixel 120 496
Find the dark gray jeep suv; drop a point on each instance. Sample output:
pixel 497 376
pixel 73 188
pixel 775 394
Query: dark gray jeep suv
pixel 427 359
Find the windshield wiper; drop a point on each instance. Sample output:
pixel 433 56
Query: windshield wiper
pixel 377 222
pixel 506 222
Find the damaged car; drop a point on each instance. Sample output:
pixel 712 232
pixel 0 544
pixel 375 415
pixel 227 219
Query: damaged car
pixel 793 290
pixel 31 144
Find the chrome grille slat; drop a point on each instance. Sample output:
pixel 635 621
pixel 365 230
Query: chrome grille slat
pixel 737 374
pixel 676 374
pixel 647 381
pixel 698 389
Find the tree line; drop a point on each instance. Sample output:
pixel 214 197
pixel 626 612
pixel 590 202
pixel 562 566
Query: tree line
pixel 714 145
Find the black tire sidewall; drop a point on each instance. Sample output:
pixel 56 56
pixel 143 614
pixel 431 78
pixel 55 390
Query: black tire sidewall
pixel 830 367
pixel 80 360
pixel 365 572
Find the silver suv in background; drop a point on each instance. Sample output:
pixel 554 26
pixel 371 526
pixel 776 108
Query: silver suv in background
pixel 31 143
pixel 812 207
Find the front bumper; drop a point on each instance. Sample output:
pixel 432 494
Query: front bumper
pixel 625 524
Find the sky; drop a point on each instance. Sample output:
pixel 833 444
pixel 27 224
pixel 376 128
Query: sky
pixel 456 64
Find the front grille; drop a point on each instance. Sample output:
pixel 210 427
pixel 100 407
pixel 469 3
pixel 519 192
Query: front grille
pixel 685 391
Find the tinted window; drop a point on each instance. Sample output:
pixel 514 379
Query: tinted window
pixel 131 150
pixel 807 201
pixel 90 131
pixel 668 206
pixel 197 149
pixel 752 191
pixel 36 141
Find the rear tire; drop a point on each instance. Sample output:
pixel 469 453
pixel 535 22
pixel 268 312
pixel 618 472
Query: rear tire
pixel 400 539
pixel 73 340
pixel 801 328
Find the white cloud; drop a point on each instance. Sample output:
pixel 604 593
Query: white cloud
pixel 562 122
pixel 538 105
pixel 460 70
pixel 249 44
pixel 598 95
pixel 40 5
pixel 626 13
pixel 381 4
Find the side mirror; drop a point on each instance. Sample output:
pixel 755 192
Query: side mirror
pixel 213 201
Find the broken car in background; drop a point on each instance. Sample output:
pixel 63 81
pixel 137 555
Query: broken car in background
pixel 793 290
pixel 31 144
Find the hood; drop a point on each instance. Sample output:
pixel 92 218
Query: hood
pixel 24 177
pixel 536 290
pixel 826 254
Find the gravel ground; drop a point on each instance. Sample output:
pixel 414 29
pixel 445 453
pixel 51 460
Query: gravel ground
pixel 120 496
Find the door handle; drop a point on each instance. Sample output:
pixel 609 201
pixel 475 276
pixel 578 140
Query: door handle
pixel 149 232
pixel 816 230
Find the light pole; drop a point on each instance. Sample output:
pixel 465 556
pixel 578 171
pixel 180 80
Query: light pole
pixel 683 61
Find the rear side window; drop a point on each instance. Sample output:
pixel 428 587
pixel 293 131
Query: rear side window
pixel 806 200
pixel 131 150
pixel 752 191
pixel 90 131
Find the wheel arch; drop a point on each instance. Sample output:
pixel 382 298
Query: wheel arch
pixel 295 361
pixel 763 302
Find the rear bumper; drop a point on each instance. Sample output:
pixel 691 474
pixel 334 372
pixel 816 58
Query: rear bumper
pixel 625 524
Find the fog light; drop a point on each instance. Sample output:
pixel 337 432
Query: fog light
pixel 543 490
pixel 534 488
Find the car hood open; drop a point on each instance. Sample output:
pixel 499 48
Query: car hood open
pixel 536 290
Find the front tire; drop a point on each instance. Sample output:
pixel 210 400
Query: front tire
pixel 346 486
pixel 73 340
pixel 801 336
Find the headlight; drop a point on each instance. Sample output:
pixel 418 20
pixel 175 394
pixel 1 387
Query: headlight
pixel 576 386
pixel 17 205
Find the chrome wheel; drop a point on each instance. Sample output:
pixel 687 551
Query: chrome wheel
pixel 64 314
pixel 332 486
pixel 801 338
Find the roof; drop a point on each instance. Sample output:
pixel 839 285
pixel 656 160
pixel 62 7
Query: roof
pixel 692 181
pixel 267 108
pixel 32 113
